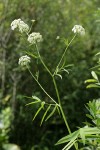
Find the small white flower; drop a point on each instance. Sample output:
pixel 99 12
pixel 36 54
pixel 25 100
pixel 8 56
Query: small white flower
pixel 23 27
pixel 18 23
pixel 24 60
pixel 34 38
pixel 79 29
pixel 33 20
pixel 58 37
pixel 15 24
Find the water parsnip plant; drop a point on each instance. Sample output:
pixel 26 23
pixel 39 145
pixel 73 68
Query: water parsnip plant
pixel 35 38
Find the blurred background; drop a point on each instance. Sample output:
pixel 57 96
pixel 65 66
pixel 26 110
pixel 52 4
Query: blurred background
pixel 53 18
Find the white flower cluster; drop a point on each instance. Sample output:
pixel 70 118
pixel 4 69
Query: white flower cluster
pixel 79 29
pixel 24 60
pixel 35 37
pixel 18 23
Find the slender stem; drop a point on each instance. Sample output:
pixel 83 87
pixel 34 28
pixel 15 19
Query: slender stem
pixel 65 51
pixel 41 86
pixel 43 62
pixel 65 120
pixel 57 93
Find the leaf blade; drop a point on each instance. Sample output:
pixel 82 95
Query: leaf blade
pixel 32 103
pixel 45 114
pixel 37 112
pixel 51 113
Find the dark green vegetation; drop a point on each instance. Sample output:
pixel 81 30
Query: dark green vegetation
pixel 53 18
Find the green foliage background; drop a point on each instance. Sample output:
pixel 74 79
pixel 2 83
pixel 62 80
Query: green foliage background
pixel 53 18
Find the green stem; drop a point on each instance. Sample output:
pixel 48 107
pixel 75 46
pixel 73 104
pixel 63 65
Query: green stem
pixel 43 62
pixel 65 51
pixel 65 120
pixel 41 86
pixel 62 112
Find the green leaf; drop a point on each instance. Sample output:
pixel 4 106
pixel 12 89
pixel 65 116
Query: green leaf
pixel 70 65
pixel 97 54
pixel 33 97
pixel 87 123
pixel 59 75
pixel 36 98
pixel 68 137
pixel 62 64
pixel 42 104
pixel 37 74
pixel 66 71
pixel 92 136
pixel 94 75
pixel 72 140
pixel 89 116
pixel 82 135
pixel 90 80
pixel 65 41
pixel 45 114
pixel 58 110
pixel 51 113
pixel 97 84
pixel 91 130
pixel 37 112
pixel 31 54
pixel 69 145
pixel 9 146
pixel 95 67
pixel 93 86
pixel 98 122
pixel 27 97
pixel 32 103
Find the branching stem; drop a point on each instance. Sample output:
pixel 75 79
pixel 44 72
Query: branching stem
pixel 55 84
pixel 57 93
